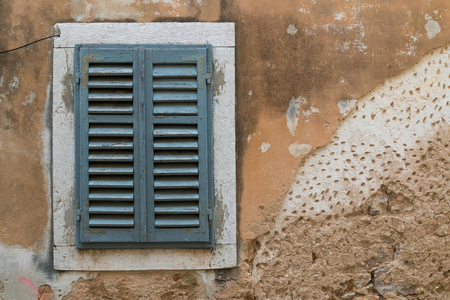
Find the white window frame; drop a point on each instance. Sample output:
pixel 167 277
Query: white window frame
pixel 222 38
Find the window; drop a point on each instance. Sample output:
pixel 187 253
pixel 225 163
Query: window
pixel 151 103
pixel 143 122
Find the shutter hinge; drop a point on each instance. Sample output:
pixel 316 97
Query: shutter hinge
pixel 78 215
pixel 77 78
pixel 208 78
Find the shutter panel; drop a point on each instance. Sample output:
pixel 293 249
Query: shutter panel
pixel 106 125
pixel 181 155
pixel 143 146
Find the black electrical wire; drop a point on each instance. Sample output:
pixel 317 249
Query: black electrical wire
pixel 11 50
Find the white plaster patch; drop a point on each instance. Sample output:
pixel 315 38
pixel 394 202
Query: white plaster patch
pixel 250 93
pixel 345 106
pixel 1 81
pixel 264 147
pixel 292 30
pixel 30 98
pixel 292 113
pixel 432 27
pixel 308 112
pixel 249 138
pixel 374 141
pixel 297 150
pixel 340 16
pixel 14 83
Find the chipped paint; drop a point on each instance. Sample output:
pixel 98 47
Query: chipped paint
pixel 264 147
pixel 297 150
pixel 292 113
pixel 291 30
pixel 340 16
pixel 308 112
pixel 14 83
pixel 345 106
pixel 30 99
pixel 432 27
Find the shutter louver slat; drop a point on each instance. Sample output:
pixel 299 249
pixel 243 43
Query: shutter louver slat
pixel 111 181
pixel 174 96
pixel 105 221
pixel 180 195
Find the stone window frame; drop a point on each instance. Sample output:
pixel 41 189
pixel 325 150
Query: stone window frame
pixel 222 38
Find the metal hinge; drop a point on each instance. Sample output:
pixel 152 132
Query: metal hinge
pixel 208 78
pixel 78 215
pixel 77 78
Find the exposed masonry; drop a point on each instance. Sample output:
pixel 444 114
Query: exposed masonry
pixel 368 214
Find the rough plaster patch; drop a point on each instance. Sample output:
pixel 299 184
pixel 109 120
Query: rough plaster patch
pixel 30 99
pixel 432 27
pixel 297 150
pixel 345 106
pixel 264 147
pixel 291 30
pixel 250 93
pixel 374 138
pixel 292 113
pixel 1 81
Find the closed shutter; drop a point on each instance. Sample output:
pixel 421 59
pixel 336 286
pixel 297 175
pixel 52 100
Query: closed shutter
pixel 144 146
pixel 107 135
pixel 181 155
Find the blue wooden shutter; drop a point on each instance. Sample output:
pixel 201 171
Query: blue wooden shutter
pixel 180 206
pixel 144 171
pixel 106 154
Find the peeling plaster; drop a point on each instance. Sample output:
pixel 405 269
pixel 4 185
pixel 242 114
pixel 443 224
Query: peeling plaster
pixel 14 83
pixel 345 106
pixel 307 113
pixel 432 27
pixel 264 147
pixel 30 98
pixel 292 113
pixel 291 30
pixel 297 150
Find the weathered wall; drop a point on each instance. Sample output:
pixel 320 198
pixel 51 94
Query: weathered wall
pixel 347 82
